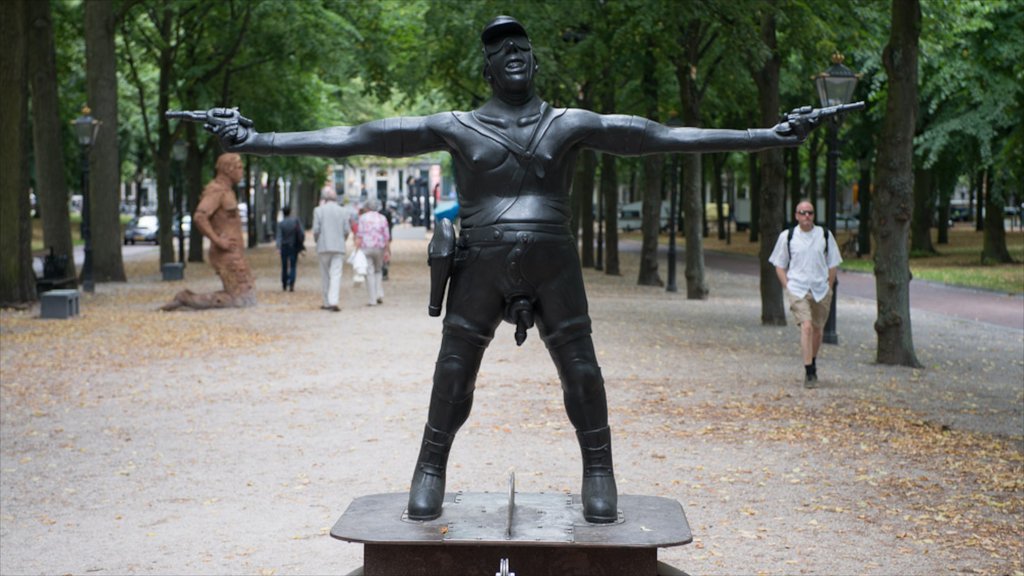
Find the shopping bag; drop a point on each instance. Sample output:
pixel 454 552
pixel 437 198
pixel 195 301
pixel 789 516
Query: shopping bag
pixel 358 261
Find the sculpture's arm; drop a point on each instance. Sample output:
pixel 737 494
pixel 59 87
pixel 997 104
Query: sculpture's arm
pixel 391 137
pixel 636 136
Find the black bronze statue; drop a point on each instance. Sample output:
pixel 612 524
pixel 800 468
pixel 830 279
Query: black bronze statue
pixel 515 258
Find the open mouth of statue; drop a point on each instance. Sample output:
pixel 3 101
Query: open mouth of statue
pixel 515 65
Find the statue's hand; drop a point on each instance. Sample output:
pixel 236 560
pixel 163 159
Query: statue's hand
pixel 796 125
pixel 233 129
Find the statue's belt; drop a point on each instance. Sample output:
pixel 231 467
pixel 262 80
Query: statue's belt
pixel 522 233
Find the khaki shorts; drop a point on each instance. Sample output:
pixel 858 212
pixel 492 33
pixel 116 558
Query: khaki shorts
pixel 806 308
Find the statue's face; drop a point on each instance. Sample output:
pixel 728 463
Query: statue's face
pixel 235 171
pixel 511 65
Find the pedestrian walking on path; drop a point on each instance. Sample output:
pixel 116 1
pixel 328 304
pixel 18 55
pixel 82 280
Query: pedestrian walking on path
pixel 806 259
pixel 373 237
pixel 331 227
pixel 290 238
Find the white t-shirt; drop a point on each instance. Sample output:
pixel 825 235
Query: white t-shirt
pixel 804 260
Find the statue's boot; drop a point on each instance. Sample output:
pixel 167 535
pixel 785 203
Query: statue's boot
pixel 599 494
pixel 426 493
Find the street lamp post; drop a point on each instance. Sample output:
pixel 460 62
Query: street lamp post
pixel 86 129
pixel 179 151
pixel 835 86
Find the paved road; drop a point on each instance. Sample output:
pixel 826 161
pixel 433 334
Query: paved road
pixel 966 303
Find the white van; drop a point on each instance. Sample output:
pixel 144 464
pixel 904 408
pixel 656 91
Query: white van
pixel 630 216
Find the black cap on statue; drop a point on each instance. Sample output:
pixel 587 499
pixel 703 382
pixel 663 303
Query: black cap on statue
pixel 501 27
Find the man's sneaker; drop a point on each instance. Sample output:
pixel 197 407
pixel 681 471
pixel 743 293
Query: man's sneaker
pixel 811 381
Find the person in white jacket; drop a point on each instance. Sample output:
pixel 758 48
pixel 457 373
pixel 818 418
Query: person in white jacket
pixel 331 227
pixel 806 258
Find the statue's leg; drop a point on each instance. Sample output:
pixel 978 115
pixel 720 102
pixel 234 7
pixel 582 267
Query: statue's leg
pixel 564 325
pixel 587 408
pixel 196 301
pixel 450 403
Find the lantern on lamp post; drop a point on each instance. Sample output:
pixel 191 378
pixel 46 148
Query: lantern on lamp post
pixel 179 152
pixel 86 129
pixel 835 87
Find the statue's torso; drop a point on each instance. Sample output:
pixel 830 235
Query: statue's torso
pixel 508 171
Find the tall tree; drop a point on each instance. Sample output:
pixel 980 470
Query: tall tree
pixel 104 157
pixel 972 88
pixel 772 174
pixel 696 38
pixel 892 204
pixel 583 188
pixel 610 193
pixel 17 281
pixel 653 173
pixel 51 187
pixel 924 209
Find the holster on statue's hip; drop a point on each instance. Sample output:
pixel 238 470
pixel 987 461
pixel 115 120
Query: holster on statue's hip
pixel 441 258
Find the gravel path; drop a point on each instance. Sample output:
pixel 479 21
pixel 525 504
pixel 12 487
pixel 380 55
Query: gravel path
pixel 230 441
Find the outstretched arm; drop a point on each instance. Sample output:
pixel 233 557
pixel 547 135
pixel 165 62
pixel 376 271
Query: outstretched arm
pixel 391 137
pixel 660 139
pixel 634 135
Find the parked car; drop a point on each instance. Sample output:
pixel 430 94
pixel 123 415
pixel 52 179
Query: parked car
pixel 145 229
pixel 141 229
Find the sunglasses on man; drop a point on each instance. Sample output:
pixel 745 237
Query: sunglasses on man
pixel 805 212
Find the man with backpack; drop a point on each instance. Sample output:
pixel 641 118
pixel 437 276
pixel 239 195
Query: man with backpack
pixel 806 258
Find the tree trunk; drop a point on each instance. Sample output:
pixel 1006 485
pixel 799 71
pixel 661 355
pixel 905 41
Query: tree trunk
pixel 696 286
pixel 717 164
pixel 892 205
pixel 793 180
pixel 692 193
pixel 249 193
pixel 610 192
pixel 994 249
pixel 705 230
pixel 162 153
pixel 585 190
pixel 924 207
pixel 653 167
pixel 982 188
pixel 275 205
pixel 104 157
pixel 17 280
pixel 652 176
pixel 864 194
pixel 772 193
pixel 194 185
pixel 51 187
pixel 755 196
pixel 946 175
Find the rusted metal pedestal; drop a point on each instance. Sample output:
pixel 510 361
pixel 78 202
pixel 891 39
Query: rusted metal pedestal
pixel 546 535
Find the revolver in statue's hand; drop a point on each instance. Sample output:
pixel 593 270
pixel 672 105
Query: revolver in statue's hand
pixel 801 121
pixel 226 123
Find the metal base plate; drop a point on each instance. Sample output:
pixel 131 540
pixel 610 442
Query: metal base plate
pixel 549 535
